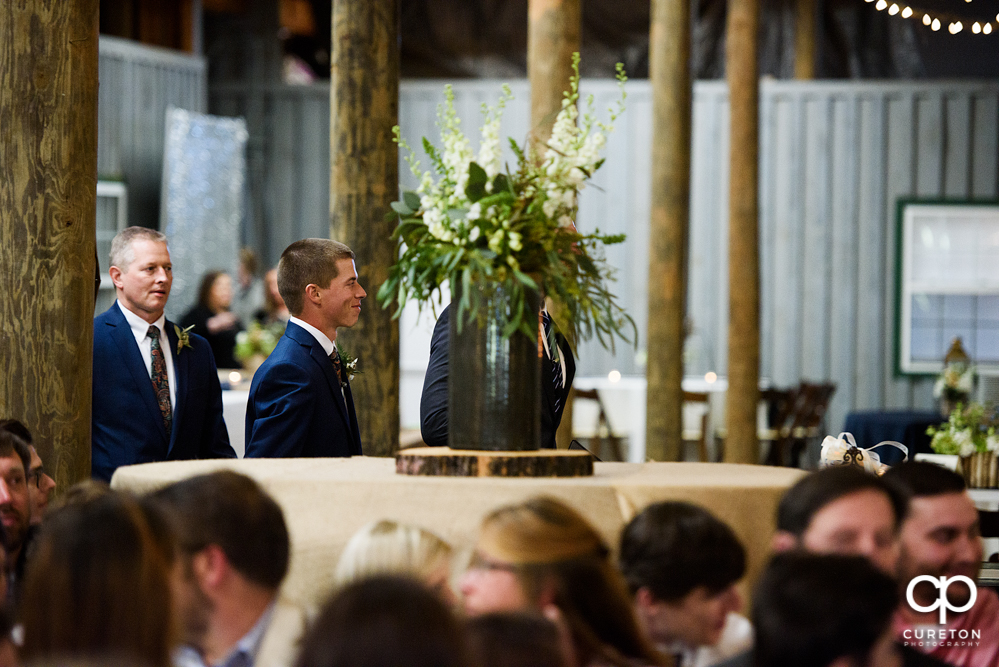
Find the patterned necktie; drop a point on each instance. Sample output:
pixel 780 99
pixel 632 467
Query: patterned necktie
pixel 337 366
pixel 161 385
pixel 556 366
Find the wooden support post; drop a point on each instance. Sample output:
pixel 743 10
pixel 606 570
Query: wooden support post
pixel 804 39
pixel 364 180
pixel 742 73
pixel 669 71
pixel 552 37
pixel 48 189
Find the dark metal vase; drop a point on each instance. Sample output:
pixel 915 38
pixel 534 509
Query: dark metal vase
pixel 494 384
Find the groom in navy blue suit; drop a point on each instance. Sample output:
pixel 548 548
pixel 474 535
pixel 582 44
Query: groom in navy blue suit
pixel 300 402
pixel 156 396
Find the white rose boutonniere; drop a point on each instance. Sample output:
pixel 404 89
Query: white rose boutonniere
pixel 183 337
pixel 349 364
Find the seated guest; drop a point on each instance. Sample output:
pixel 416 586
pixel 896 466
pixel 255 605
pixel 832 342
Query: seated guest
pixel 384 621
pixel 940 537
pixel 233 546
pixel 824 611
pixel 682 565
pixel 542 556
pixel 387 547
pixel 212 319
pixel 40 485
pixel 506 639
pixel 97 587
pixel 15 511
pixel 249 296
pixel 841 510
pixel 274 309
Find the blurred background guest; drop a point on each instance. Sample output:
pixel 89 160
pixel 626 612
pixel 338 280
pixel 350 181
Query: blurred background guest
pixel 274 309
pixel 97 586
pixel 388 547
pixel 249 297
pixel 213 319
pixel 543 556
pixel 682 565
pixel 383 621
pixel 510 639
pixel 40 485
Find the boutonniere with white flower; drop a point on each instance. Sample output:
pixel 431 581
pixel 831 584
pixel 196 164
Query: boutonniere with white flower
pixel 349 364
pixel 183 337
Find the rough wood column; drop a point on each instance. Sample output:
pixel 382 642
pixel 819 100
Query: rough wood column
pixel 553 29
pixel 669 72
pixel 364 180
pixel 48 184
pixel 805 27
pixel 744 256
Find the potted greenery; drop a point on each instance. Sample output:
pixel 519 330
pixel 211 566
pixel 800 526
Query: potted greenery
pixel 970 433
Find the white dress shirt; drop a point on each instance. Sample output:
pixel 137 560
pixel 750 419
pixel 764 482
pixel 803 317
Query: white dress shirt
pixel 323 339
pixel 140 329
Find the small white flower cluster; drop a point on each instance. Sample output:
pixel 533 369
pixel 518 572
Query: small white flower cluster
pixel 573 155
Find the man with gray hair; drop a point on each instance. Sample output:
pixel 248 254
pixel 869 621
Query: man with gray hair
pixel 156 392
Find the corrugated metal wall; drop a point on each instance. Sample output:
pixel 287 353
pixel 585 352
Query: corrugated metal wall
pixel 834 159
pixel 137 84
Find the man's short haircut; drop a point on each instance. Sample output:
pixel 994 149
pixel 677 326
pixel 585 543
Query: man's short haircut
pixel 308 262
pixel 18 428
pixel 121 245
pixel 10 444
pixel 671 548
pixel 231 511
pixel 917 479
pixel 816 490
pixel 810 609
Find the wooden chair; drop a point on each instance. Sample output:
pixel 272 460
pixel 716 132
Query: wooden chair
pixel 696 400
pixel 603 425
pixel 804 423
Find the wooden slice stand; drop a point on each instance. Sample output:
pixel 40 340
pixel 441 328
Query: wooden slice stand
pixel 447 462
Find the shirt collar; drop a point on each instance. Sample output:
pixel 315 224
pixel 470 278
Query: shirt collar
pixel 248 646
pixel 323 339
pixel 138 325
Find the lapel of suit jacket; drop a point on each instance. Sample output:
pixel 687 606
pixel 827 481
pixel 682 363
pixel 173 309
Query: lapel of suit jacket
pixel 355 428
pixel 181 375
pixel 122 335
pixel 318 354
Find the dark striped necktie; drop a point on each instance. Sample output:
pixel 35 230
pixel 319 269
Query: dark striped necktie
pixel 161 383
pixel 556 366
pixel 338 367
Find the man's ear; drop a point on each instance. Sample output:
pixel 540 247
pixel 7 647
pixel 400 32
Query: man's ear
pixel 211 567
pixel 783 541
pixel 644 599
pixel 115 274
pixel 312 294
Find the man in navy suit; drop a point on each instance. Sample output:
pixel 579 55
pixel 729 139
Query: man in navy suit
pixel 156 397
pixel 300 401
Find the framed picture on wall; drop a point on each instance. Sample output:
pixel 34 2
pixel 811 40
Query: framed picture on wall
pixel 947 284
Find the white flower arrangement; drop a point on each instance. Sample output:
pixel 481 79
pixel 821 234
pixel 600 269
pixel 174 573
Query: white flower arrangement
pixel 955 382
pixel 968 430
pixel 472 220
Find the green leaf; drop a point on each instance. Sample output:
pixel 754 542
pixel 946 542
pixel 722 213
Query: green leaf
pixel 526 280
pixel 411 199
pixel 401 208
pixel 501 184
pixel 477 178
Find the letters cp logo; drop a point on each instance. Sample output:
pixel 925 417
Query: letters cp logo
pixel 942 603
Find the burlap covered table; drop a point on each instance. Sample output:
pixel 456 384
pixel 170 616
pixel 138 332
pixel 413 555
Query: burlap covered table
pixel 326 500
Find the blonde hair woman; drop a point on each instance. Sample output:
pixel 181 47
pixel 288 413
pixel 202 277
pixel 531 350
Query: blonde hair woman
pixel 541 555
pixel 389 547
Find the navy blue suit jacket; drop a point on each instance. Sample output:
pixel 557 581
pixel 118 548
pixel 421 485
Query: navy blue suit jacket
pixel 295 407
pixel 126 424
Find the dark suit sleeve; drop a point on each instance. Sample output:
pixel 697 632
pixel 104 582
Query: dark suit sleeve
pixel 433 403
pixel 283 404
pixel 215 438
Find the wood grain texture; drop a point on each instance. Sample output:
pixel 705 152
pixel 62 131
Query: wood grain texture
pixel 48 180
pixel 805 25
pixel 553 29
pixel 744 254
pixel 446 462
pixel 364 180
pixel 668 226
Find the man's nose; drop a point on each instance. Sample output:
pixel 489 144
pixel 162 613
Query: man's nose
pixel 5 496
pixel 363 293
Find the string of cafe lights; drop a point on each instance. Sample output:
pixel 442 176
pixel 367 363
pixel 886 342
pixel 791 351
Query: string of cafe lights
pixel 936 20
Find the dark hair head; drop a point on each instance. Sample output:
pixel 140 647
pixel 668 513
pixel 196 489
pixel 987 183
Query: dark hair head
pixel 554 546
pixel 917 479
pixel 232 511
pixel 308 262
pixel 248 260
pixel 514 640
pixel 817 489
pixel 809 609
pixel 384 620
pixel 97 585
pixel 205 289
pixel 18 428
pixel 671 548
pixel 10 444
